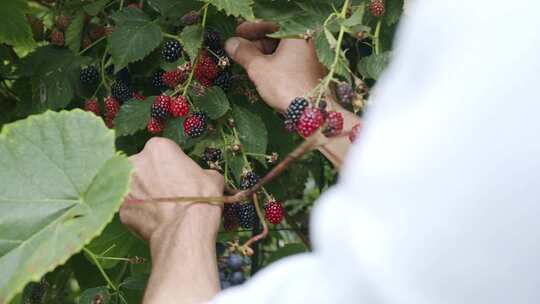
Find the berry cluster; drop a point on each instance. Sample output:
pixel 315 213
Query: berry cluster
pixel 306 119
pixel 92 32
pixel 165 107
pixel 231 268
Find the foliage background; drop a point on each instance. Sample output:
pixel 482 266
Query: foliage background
pixel 79 259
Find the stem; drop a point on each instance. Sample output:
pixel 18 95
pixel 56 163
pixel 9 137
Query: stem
pixel 190 77
pixel 337 54
pixel 170 36
pixel 247 245
pixel 376 37
pixel 91 45
pixel 98 265
pixel 103 79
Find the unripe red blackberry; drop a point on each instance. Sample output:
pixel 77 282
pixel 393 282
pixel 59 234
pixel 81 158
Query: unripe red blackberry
pixel 96 31
pixel 92 105
pixel 112 106
pixel 57 38
pixel 274 212
pixel 354 132
pixel 206 70
pixel 179 106
pixel 376 7
pixel 173 78
pixel 155 126
pixel 334 124
pixel 62 22
pixel 191 18
pixel 311 120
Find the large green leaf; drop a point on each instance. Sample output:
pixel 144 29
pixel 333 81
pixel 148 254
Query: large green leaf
pixel 214 102
pixel 14 29
pixel 61 182
pixel 326 54
pixel 251 129
pixel 173 10
pixel 133 116
pixel 237 8
pixel 191 38
pixel 134 37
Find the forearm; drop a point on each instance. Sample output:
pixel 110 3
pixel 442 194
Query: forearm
pixel 184 267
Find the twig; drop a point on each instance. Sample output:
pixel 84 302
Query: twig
pixel 246 248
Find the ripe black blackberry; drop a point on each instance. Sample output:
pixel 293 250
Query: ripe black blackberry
pixel 212 40
pixel 296 108
pixel 171 51
pixel 157 80
pixel 161 108
pixel 211 155
pixel 224 80
pixel 121 91
pixel 249 180
pixel 89 75
pixel 195 125
pixel 247 215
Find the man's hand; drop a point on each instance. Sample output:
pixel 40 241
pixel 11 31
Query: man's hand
pixel 181 236
pixel 280 74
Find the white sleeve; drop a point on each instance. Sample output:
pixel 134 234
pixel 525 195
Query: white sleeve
pixel 439 202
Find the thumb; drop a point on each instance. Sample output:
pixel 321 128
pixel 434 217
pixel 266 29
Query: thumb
pixel 243 51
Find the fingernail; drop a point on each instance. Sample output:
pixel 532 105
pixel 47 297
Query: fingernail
pixel 231 45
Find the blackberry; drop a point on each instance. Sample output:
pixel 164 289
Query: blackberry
pixel 123 75
pixel 211 155
pixel 195 125
pixel 247 215
pixel 161 108
pixel 121 91
pixel 224 80
pixel 171 51
pixel 237 278
pixel 274 212
pixel 295 109
pixel 334 124
pixel 212 40
pixel 345 93
pixel 89 75
pixel 376 7
pixel 249 180
pixel 235 262
pixel 310 121
pixel 157 80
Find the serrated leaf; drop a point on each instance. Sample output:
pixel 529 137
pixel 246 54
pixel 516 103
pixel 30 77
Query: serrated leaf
pixel 53 71
pixel 276 10
pixel 94 8
pixel 133 116
pixel 251 130
pixel 173 10
pixel 115 241
pixel 373 65
pixel 134 37
pixel 356 18
pixel 14 28
pixel 297 27
pixel 95 295
pixel 191 38
pixel 61 182
pixel 74 33
pixel 327 55
pixel 214 102
pixel 237 8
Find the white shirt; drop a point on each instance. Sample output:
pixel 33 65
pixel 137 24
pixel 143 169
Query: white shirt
pixel 439 202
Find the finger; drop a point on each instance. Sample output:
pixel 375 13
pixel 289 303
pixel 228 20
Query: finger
pixel 256 30
pixel 243 51
pixel 267 46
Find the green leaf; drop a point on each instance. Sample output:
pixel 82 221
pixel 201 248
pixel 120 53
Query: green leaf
pixel 173 10
pixel 297 27
pixel 136 282
pixel 134 37
pixel 287 250
pixel 115 241
pixel 191 38
pixel 93 9
pixel 92 296
pixel 276 10
pixel 327 55
pixel 251 130
pixel 356 18
pixel 74 32
pixel 53 71
pixel 394 9
pixel 61 182
pixel 214 102
pixel 237 8
pixel 14 28
pixel 133 116
pixel 373 65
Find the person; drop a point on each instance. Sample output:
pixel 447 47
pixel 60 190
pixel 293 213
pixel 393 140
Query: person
pixel 437 203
